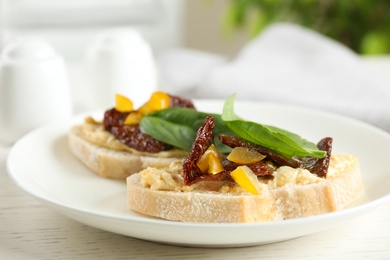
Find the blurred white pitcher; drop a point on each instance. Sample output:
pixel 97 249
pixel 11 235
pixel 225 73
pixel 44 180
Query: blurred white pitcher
pixel 34 88
pixel 120 61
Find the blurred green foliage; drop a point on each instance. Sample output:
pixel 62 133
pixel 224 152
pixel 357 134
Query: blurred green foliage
pixel 362 25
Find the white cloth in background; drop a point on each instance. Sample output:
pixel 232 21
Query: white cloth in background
pixel 182 70
pixel 292 65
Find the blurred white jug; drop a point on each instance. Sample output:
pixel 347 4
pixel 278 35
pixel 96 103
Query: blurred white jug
pixel 120 61
pixel 34 88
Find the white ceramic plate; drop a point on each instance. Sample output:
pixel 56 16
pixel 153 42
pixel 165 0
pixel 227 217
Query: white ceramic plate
pixel 42 165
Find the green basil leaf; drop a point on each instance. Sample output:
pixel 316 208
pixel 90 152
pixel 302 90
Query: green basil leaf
pixel 173 126
pixel 190 117
pixel 180 136
pixel 279 140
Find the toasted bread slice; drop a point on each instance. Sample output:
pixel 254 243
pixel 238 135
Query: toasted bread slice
pixel 160 193
pixel 109 158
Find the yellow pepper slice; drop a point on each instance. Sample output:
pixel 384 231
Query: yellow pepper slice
pixel 123 104
pixel 243 155
pixel 158 100
pixel 211 161
pixel 245 177
pixel 215 165
pixel 133 118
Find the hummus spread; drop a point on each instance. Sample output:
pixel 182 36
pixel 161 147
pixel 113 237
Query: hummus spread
pixel 94 132
pixel 170 179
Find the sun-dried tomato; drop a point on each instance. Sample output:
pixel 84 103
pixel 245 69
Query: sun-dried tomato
pixel 131 135
pixel 235 141
pixel 321 166
pixel 315 165
pixel 262 168
pixel 177 101
pixel 203 140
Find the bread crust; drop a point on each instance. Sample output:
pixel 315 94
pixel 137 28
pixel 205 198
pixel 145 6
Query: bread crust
pixel 110 163
pixel 277 203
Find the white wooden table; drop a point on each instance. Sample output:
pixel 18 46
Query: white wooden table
pixel 29 230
